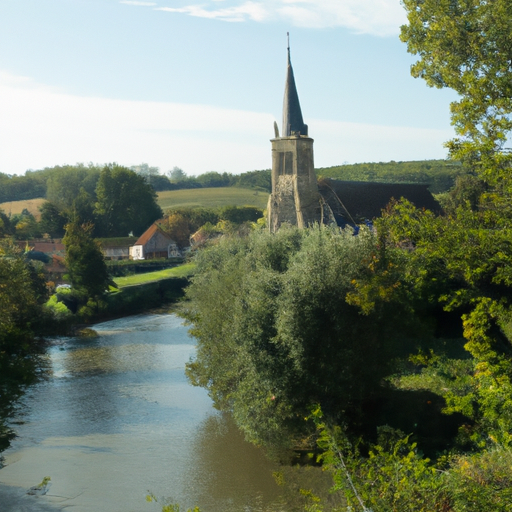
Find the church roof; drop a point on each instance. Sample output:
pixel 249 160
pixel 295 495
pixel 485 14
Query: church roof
pixel 354 201
pixel 292 114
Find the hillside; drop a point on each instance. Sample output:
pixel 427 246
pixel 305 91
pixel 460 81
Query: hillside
pixel 16 207
pixel 438 174
pixel 212 198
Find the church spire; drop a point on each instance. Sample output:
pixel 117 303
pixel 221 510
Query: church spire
pixel 292 115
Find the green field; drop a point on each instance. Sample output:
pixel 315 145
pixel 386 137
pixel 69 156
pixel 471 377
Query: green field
pixel 181 271
pixel 212 198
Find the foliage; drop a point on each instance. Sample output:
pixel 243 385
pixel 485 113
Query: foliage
pixel 84 260
pixel 464 265
pixel 392 477
pixel 440 175
pixel 6 228
pixel 65 183
pixel 212 198
pixel 269 312
pixel 465 45
pixel 482 481
pixel 395 477
pixel 240 214
pixel 125 202
pixel 58 309
pixel 168 505
pixel 22 294
pixel 177 226
pixel 25 225
pixel 53 219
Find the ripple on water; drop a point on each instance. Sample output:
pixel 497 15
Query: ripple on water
pixel 117 418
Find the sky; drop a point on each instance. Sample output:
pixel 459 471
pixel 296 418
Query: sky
pixel 197 84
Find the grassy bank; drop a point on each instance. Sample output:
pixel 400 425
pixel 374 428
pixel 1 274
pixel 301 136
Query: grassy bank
pixel 149 277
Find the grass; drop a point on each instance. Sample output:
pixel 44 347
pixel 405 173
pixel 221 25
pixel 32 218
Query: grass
pixel 181 271
pixel 212 198
pixel 16 207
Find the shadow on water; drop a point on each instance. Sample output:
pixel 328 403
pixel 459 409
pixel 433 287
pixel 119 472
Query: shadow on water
pixel 16 375
pixel 116 418
pixel 231 474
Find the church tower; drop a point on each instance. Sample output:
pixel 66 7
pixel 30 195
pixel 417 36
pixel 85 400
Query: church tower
pixel 295 199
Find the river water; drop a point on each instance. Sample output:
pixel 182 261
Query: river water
pixel 116 419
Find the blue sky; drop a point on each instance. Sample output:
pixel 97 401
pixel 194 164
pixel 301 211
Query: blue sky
pixel 198 83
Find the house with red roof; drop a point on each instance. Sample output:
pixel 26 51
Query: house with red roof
pixel 154 243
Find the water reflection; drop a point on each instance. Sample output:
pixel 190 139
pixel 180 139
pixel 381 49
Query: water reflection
pixel 227 472
pixel 118 418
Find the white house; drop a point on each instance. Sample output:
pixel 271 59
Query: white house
pixel 154 243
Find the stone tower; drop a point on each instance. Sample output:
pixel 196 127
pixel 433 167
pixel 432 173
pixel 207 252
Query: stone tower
pixel 295 199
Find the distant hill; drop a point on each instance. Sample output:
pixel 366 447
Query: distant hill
pixel 438 174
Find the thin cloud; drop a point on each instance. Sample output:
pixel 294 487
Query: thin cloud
pixel 42 126
pixel 135 2
pixel 245 11
pixel 376 17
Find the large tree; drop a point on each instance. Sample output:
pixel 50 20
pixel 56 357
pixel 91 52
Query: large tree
pixel 22 294
pixel 126 203
pixel 465 45
pixel 87 270
pixel 278 330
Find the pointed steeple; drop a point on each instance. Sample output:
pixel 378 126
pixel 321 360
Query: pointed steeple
pixel 293 124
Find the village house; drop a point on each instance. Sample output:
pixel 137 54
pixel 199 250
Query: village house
pixel 116 248
pixel 154 243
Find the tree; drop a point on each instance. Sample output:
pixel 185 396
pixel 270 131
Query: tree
pixel 22 295
pixel 126 203
pixel 465 45
pixel 279 330
pixel 52 220
pixel 25 225
pixel 65 183
pixel 178 228
pixel 176 174
pixel 6 228
pixel 86 266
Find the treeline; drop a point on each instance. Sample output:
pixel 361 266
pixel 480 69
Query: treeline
pixel 115 200
pixel 49 182
pixel 439 174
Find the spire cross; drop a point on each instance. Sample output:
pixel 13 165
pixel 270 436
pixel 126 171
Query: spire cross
pixel 288 37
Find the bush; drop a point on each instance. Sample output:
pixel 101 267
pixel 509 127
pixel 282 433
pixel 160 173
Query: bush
pixel 482 482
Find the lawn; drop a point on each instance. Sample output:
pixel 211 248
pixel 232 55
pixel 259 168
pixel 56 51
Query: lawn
pixel 212 198
pixel 181 271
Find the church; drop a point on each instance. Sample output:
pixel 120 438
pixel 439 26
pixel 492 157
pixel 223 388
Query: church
pixel 298 199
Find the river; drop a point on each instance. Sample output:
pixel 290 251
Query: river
pixel 116 419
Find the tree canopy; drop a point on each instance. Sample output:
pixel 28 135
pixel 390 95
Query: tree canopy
pixel 86 267
pixel 125 202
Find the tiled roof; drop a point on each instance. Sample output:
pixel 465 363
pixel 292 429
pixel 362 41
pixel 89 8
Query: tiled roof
pixel 365 200
pixel 149 233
